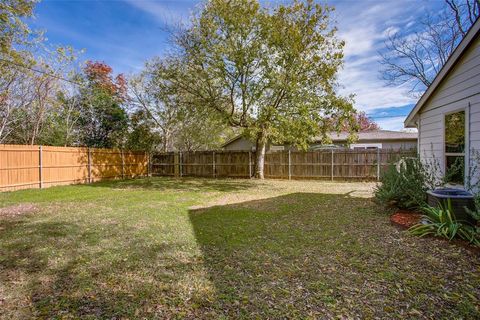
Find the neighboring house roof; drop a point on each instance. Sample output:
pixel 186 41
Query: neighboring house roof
pixel 231 140
pixel 376 135
pixel 451 62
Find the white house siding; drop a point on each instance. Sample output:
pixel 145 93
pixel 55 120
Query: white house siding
pixel 460 90
pixel 397 145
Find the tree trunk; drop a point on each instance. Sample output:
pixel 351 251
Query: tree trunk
pixel 260 156
pixel 166 139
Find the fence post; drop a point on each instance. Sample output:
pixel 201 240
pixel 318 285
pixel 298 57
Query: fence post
pixel 331 171
pixel 176 165
pixel 213 153
pixel 89 165
pixel 123 165
pixel 180 164
pixel 289 166
pixel 249 164
pixel 40 165
pixel 149 170
pixel 378 164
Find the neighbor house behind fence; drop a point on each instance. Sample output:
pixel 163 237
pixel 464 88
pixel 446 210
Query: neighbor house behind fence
pixel 375 139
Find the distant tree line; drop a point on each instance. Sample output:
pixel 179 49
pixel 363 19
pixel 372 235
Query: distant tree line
pixel 267 73
pixel 48 97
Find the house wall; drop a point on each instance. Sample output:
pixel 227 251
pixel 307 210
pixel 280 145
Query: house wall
pixel 246 145
pixel 389 144
pixel 460 90
pixel 396 145
pixel 243 144
pixel 240 144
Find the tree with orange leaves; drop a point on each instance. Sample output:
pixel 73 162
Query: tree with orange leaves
pixel 103 120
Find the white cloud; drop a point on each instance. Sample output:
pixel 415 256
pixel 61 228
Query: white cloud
pixel 364 26
pixel 390 31
pixel 395 123
pixel 170 15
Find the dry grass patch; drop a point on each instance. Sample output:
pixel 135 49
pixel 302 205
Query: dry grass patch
pixel 18 209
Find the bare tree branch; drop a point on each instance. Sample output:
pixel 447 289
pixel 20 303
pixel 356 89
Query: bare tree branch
pixel 414 59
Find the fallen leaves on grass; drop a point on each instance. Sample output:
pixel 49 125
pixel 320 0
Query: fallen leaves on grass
pixel 255 250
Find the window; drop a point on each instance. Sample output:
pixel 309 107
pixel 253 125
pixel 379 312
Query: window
pixel 455 147
pixel 366 146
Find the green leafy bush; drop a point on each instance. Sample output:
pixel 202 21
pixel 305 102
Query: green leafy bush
pixel 405 184
pixel 442 222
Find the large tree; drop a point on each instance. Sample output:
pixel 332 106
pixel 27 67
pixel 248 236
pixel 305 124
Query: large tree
pixel 142 134
pixel 13 30
pixel 270 71
pixel 200 130
pixel 103 119
pixel 30 96
pixel 359 122
pixel 177 126
pixel 414 58
pixel 14 36
pixel 157 101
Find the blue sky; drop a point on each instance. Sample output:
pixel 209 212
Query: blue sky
pixel 126 33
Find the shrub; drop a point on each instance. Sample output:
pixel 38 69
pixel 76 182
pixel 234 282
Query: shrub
pixel 405 184
pixel 442 222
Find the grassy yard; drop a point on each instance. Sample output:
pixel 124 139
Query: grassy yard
pixel 165 248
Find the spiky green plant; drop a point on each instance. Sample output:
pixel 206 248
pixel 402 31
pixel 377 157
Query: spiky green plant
pixel 441 222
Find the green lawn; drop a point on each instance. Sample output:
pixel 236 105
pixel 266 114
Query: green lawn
pixel 194 248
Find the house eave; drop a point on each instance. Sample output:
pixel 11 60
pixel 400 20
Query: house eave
pixel 375 140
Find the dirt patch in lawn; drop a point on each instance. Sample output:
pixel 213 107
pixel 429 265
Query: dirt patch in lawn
pixel 18 209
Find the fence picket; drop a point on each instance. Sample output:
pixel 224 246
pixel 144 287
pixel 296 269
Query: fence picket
pixel 40 167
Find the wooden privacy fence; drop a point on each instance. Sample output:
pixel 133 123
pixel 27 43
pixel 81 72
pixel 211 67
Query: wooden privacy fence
pixel 23 167
pixel 226 164
pixel 326 164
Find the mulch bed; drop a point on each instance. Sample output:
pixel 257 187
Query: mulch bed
pixel 405 219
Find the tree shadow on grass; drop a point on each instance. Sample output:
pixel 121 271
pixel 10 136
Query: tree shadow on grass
pixel 293 256
pixel 68 270
pixel 321 256
pixel 180 184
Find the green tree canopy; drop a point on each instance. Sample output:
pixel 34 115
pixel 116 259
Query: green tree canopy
pixel 103 120
pixel 13 31
pixel 270 71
